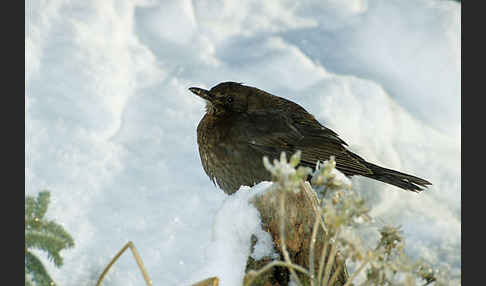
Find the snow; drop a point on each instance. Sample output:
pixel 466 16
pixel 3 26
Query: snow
pixel 228 251
pixel 111 127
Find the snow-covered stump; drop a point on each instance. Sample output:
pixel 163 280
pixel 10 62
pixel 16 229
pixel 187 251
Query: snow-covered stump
pixel 300 209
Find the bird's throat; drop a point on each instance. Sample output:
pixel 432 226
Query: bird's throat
pixel 214 110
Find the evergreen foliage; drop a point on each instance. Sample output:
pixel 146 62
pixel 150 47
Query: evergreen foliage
pixel 45 235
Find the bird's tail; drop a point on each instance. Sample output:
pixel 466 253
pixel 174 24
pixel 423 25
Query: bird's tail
pixel 401 180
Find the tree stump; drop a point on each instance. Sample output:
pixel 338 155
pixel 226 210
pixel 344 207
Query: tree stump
pixel 300 214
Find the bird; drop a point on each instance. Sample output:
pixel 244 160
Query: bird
pixel 243 124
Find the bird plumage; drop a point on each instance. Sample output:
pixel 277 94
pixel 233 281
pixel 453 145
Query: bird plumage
pixel 242 124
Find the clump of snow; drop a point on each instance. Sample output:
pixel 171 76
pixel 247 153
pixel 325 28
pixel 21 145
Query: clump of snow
pixel 234 225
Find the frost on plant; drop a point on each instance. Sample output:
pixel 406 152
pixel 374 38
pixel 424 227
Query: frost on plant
pixel 284 173
pixel 327 176
pixel 340 212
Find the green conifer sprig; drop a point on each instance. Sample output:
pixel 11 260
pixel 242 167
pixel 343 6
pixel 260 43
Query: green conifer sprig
pixel 44 235
pixel 38 273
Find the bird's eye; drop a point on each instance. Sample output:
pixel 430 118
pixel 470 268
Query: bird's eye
pixel 229 99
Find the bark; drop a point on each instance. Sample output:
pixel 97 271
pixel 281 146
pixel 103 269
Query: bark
pixel 300 213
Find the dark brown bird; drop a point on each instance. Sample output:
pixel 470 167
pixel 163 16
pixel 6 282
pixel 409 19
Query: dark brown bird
pixel 243 123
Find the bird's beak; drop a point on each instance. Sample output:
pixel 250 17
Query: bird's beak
pixel 204 94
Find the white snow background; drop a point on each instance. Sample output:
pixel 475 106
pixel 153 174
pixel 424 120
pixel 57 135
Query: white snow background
pixel 110 124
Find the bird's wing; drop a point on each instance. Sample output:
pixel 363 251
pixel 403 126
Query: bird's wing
pixel 271 132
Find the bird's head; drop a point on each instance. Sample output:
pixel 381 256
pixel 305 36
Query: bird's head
pixel 229 97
